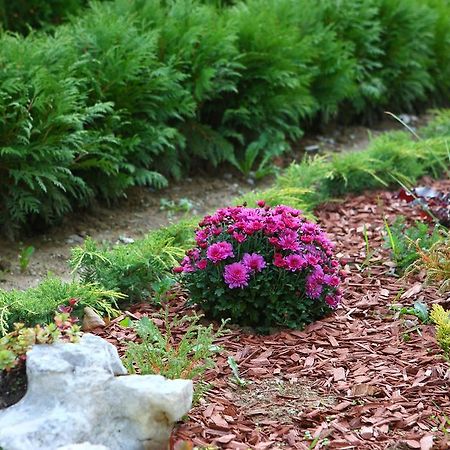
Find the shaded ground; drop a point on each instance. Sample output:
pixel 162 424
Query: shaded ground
pixel 13 386
pixel 362 378
pixel 141 211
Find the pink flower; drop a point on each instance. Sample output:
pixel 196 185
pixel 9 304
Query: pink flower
pixel 314 283
pixel 239 236
pixel 333 300
pixel 254 262
pixel 278 260
pixel 202 264
pixel 236 275
pixel 295 262
pixel 312 260
pixel 219 251
pixel 288 240
pixel 178 269
pixel 331 280
pixel 261 203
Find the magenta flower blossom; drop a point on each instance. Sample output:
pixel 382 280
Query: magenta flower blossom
pixel 239 236
pixel 331 280
pixel 236 275
pixel 289 240
pixel 295 262
pixel 333 300
pixel 219 251
pixel 202 264
pixel 254 262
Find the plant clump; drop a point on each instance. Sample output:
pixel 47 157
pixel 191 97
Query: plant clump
pixel 14 345
pixel 262 267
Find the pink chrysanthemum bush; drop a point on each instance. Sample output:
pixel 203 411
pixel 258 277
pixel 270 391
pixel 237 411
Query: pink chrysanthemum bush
pixel 262 267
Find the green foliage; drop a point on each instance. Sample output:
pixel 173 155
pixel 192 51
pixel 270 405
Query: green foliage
pixel 37 305
pixel 25 256
pixel 389 158
pixel 419 310
pixel 439 126
pixel 396 46
pixel 404 241
pixel 14 345
pixel 436 261
pixel 165 353
pixel 133 269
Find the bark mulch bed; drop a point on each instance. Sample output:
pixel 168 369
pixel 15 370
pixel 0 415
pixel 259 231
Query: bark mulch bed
pixel 363 378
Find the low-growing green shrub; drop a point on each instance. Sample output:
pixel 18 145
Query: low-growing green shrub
pixel 389 158
pixel 37 305
pixel 14 345
pixel 186 356
pixel 262 267
pixel 405 241
pixel 133 268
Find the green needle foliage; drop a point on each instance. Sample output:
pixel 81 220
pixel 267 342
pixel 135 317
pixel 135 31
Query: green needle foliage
pixel 38 305
pixel 134 269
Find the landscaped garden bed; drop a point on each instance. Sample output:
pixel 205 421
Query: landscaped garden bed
pixel 309 312
pixel 364 377
pixel 368 374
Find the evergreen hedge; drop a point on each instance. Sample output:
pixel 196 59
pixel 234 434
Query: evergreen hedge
pixel 135 92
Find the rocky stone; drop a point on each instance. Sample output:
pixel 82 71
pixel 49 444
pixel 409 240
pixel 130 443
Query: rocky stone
pixel 83 446
pixel 91 320
pixel 74 239
pixel 126 240
pixel 77 393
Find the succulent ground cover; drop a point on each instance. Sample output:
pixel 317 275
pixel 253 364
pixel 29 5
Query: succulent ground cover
pixel 366 377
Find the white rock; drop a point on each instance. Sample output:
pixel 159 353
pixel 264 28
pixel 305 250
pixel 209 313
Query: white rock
pixel 75 395
pixel 83 446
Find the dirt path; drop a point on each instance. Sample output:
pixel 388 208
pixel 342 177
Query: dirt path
pixel 362 378
pixel 144 210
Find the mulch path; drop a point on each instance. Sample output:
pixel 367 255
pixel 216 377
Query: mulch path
pixel 362 378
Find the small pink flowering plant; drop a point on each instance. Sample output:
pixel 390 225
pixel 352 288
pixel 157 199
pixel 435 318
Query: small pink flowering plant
pixel 262 267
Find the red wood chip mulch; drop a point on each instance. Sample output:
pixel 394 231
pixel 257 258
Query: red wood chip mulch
pixel 362 378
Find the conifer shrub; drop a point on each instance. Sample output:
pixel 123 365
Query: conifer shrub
pixel 262 267
pixel 389 158
pixel 46 128
pixel 396 45
pixel 133 269
pixel 201 44
pixel 37 305
pixel 440 66
pixel 407 31
pixel 120 64
pixel 273 95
